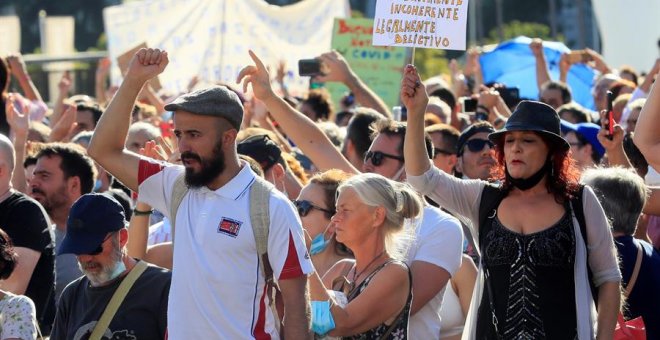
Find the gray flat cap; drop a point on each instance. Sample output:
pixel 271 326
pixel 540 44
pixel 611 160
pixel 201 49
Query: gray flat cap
pixel 216 101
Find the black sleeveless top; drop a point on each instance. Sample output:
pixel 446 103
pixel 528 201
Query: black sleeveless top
pixel 532 280
pixel 399 325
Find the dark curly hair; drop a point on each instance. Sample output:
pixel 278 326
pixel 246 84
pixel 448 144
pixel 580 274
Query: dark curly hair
pixel 563 181
pixel 7 256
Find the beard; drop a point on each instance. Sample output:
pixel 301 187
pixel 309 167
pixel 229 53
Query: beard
pixel 50 202
pixel 106 273
pixel 210 168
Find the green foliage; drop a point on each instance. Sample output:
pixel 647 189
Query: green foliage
pixel 517 28
pixel 431 62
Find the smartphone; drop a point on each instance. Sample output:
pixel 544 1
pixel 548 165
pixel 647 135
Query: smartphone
pixel 610 115
pixel 309 67
pixel 469 104
pixel 579 56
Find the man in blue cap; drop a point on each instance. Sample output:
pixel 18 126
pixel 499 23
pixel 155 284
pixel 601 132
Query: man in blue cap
pixel 96 234
pixel 586 150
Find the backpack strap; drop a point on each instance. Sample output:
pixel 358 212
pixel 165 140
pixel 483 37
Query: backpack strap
pixel 491 196
pixel 117 299
pixel 179 190
pixel 578 209
pixel 638 265
pixel 260 220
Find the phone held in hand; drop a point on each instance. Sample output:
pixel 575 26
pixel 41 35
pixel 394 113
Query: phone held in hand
pixel 309 67
pixel 468 104
pixel 579 56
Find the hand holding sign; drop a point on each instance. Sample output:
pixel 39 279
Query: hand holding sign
pixel 413 93
pixel 147 63
pixel 430 24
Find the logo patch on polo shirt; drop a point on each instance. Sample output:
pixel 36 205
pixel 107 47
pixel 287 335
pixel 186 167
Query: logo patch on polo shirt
pixel 229 227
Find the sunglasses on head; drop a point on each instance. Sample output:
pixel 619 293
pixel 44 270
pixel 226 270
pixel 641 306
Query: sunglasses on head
pixel 476 145
pixel 99 249
pixel 305 206
pixel 377 157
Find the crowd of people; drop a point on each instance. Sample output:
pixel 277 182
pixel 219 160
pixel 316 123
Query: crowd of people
pixel 508 219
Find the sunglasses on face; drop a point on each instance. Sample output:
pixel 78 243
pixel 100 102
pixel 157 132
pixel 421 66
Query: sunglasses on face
pixel 437 151
pixel 377 157
pixel 476 145
pixel 305 206
pixel 99 249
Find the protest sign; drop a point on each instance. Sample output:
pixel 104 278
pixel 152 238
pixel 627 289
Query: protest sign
pixel 210 39
pixel 379 66
pixel 10 31
pixel 439 24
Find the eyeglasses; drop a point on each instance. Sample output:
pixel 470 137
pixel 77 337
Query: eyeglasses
pixel 99 249
pixel 305 206
pixel 443 152
pixel 377 157
pixel 476 145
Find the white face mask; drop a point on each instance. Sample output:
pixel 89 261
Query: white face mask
pixel 398 173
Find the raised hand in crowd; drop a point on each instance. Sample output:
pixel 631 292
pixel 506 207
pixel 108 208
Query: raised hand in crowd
pixel 458 84
pixel 64 87
pixel 107 144
pixel 613 145
pixel 64 129
pixel 650 77
pixel 495 107
pixel 415 98
pixel 279 77
pixel 338 70
pixel 542 73
pixel 564 66
pixel 19 70
pixel 598 62
pixel 19 125
pixel 298 127
pixel 102 72
pixel 473 68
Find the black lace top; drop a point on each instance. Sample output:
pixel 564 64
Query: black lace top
pixel 399 325
pixel 532 280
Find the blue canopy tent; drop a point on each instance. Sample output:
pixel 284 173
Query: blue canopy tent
pixel 512 63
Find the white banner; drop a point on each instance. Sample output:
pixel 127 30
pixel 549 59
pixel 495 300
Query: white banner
pixel 211 38
pixel 10 31
pixel 629 39
pixel 437 24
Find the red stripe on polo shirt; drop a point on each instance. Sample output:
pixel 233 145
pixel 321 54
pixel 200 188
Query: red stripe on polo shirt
pixel 148 168
pixel 292 267
pixel 260 326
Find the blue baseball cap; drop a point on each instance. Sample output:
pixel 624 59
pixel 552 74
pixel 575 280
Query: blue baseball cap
pixel 91 218
pixel 588 131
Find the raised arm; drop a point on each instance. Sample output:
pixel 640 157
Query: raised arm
pixel 542 74
pixel 646 135
pixel 616 155
pixel 19 71
pixel 107 144
pixel 19 125
pixel 414 97
pixel 340 71
pixel 302 130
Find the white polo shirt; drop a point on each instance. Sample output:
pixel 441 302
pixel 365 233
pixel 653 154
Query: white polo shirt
pixel 438 241
pixel 218 291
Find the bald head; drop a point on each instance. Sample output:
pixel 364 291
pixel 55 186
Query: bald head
pixel 7 155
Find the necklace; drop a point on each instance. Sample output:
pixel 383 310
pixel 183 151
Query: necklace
pixel 357 275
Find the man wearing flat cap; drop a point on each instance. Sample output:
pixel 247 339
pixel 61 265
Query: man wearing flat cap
pixel 97 236
pixel 218 290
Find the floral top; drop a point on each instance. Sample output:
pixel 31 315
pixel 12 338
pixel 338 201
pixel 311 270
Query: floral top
pixel 17 317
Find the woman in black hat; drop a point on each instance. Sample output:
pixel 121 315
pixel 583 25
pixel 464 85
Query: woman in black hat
pixel 534 276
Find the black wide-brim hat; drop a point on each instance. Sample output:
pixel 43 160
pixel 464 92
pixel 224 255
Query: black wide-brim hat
pixel 533 116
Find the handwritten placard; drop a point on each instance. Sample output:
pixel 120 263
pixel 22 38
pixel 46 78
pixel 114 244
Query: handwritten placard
pixel 380 67
pixel 439 24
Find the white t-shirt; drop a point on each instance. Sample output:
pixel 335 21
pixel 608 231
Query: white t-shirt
pixel 439 241
pixel 218 291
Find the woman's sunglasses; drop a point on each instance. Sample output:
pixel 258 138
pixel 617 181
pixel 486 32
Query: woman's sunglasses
pixel 377 157
pixel 304 207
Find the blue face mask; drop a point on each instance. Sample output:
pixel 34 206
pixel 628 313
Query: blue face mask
pixel 319 243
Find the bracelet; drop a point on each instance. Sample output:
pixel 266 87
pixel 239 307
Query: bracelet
pixel 481 106
pixel 141 213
